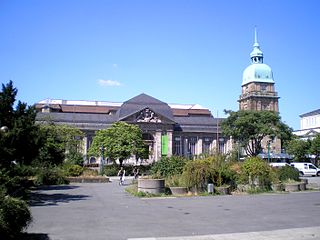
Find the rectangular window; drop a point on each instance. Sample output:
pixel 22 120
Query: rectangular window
pixel 206 145
pixel 192 145
pixel 177 149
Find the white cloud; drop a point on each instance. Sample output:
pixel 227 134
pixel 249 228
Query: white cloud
pixel 115 65
pixel 109 83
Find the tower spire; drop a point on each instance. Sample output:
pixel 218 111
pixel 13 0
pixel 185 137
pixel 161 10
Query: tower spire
pixel 256 54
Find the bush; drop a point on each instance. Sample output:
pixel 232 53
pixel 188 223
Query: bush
pixel 111 170
pixel 288 173
pixel 75 158
pixel 256 172
pixel 196 173
pixel 168 166
pixel 14 216
pixel 50 176
pixel 72 170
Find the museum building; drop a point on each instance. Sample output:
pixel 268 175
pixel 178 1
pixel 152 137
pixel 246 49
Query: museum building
pixel 168 129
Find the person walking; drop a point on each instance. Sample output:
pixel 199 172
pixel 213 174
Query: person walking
pixel 121 174
pixel 135 172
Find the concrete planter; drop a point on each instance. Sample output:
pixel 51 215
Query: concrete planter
pixel 224 190
pixel 292 187
pixel 178 190
pixel 277 187
pixel 303 186
pixel 154 186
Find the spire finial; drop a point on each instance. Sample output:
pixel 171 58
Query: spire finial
pixel 256 44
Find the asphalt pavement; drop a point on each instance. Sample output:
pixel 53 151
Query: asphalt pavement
pixel 107 211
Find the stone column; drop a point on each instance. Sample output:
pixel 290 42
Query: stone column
pixel 199 146
pixel 157 147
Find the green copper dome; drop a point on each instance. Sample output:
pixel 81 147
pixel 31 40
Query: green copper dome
pixel 257 71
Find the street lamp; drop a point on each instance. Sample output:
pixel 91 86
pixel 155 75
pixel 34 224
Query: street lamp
pixel 4 129
pixel 268 144
pixel 101 159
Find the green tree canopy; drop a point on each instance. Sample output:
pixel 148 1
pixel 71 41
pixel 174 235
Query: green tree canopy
pixel 58 142
pixel 121 140
pixel 20 142
pixel 315 146
pixel 248 128
pixel 299 148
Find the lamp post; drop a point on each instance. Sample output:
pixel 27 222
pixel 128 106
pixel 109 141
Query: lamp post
pixel 101 159
pixel 268 143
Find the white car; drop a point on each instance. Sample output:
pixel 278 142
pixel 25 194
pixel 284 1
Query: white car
pixel 306 168
pixel 278 164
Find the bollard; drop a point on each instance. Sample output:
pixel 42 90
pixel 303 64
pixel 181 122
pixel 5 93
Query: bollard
pixel 210 188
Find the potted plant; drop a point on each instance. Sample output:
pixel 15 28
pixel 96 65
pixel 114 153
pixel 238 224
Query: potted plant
pixel 176 185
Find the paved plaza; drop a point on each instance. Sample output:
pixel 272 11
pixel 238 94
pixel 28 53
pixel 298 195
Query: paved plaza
pixel 106 211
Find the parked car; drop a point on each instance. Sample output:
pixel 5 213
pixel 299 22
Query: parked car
pixel 306 168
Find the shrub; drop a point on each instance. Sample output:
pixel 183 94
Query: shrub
pixel 50 176
pixel 256 172
pixel 14 216
pixel 111 170
pixel 288 173
pixel 89 172
pixel 73 170
pixel 75 158
pixel 196 173
pixel 168 166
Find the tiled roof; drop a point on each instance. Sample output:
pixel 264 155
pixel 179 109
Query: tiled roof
pixel 315 112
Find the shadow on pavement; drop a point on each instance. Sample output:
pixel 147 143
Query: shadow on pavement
pixel 56 187
pixel 35 236
pixel 38 198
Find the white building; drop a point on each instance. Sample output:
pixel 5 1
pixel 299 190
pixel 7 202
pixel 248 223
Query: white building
pixel 309 125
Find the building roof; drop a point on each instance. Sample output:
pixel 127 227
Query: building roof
pixel 312 113
pixel 144 101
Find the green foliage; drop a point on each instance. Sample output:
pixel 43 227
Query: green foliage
pixel 315 146
pixel 288 173
pixel 196 173
pixel 176 180
pixel 74 157
pixel 56 140
pixel 20 142
pixel 299 148
pixel 72 170
pixel 111 170
pixel 250 127
pixel 167 167
pixel 121 140
pixel 50 175
pixel 256 172
pixel 14 216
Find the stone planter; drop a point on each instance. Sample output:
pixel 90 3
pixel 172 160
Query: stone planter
pixel 277 187
pixel 147 185
pixel 303 186
pixel 178 190
pixel 224 190
pixel 292 187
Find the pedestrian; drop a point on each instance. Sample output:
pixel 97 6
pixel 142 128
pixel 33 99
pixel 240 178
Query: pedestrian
pixel 121 174
pixel 135 172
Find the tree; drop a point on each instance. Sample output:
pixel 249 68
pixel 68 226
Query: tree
pixel 121 140
pixel 299 148
pixel 58 143
pixel 248 128
pixel 20 142
pixel 315 146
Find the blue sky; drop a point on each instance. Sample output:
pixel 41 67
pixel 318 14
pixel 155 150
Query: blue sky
pixel 178 51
